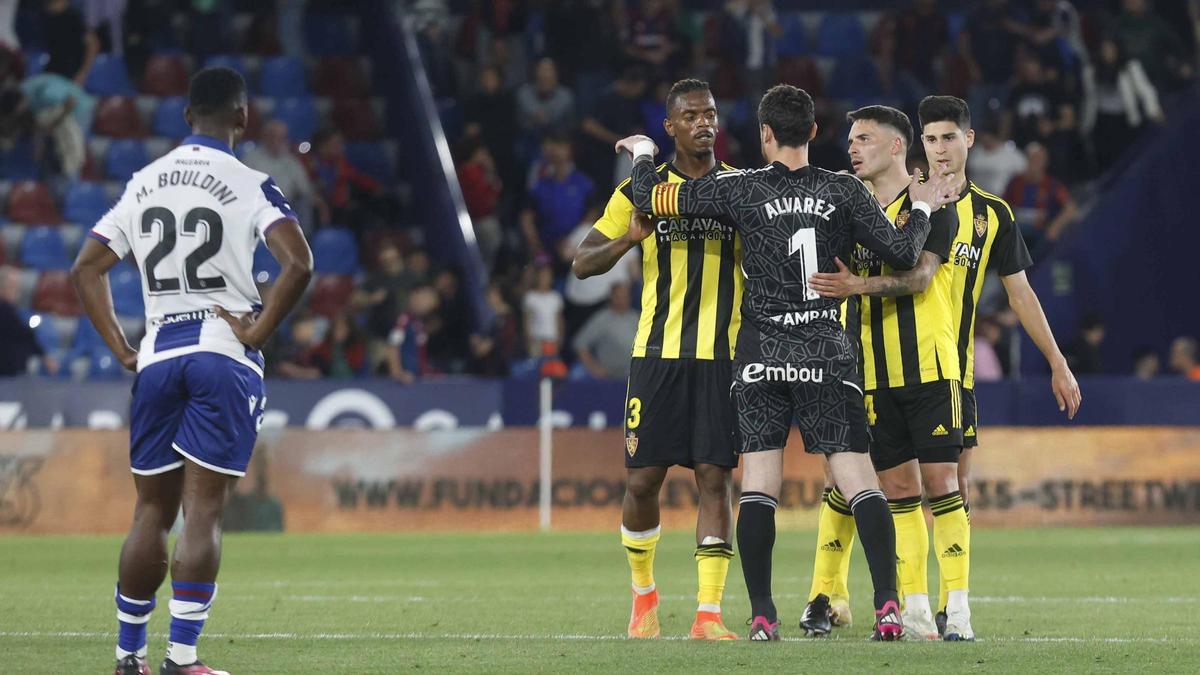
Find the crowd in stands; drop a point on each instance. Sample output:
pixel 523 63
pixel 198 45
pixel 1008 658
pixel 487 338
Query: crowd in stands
pixel 532 96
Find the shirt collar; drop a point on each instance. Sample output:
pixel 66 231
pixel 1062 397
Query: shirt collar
pixel 208 142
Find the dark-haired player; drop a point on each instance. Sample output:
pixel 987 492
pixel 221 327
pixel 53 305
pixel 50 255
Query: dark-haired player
pixel 191 221
pixel 907 332
pixel 794 361
pixel 678 410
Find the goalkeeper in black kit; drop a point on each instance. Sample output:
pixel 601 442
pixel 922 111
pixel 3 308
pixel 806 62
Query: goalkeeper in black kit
pixel 794 360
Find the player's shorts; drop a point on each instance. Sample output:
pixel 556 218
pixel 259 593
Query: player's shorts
pixel 202 406
pixel 810 379
pixel 970 418
pixel 922 422
pixel 678 412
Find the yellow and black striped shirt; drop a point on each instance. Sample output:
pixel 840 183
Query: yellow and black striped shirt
pixel 910 339
pixel 691 276
pixel 987 235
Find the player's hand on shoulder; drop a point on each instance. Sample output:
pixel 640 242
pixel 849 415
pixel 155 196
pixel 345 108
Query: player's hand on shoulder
pixel 243 327
pixel 640 226
pixel 937 191
pixel 629 142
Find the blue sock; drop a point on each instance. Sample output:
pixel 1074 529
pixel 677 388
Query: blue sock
pixel 189 608
pixel 132 615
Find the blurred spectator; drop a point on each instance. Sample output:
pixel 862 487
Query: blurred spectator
pixel 993 160
pixel 407 357
pixel 438 58
pixel 343 353
pixel 651 39
pixel 490 115
pixel 748 29
pixel 70 46
pixel 1083 355
pixel 385 292
pixel 828 149
pixel 297 355
pixel 988 336
pixel 1041 203
pixel 1119 100
pixel 208 27
pixel 493 351
pixel 617 115
pixel 273 156
pixel 1146 37
pixel 1037 109
pixel 18 343
pixel 481 188
pixel 604 343
pixel 558 199
pixel 348 191
pixel 418 265
pixel 987 46
pixel 571 23
pixel 1146 364
pixel 922 34
pixel 543 308
pixel 8 25
pixel 105 19
pixel 144 34
pixel 450 331
pixel 42 110
pixel 544 105
pixel 585 297
pixel 1185 358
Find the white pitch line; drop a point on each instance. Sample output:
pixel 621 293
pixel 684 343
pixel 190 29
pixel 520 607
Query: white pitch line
pixel 552 637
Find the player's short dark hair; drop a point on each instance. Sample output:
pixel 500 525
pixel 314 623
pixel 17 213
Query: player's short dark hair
pixel 213 91
pixel 887 116
pixel 944 109
pixel 683 88
pixel 790 113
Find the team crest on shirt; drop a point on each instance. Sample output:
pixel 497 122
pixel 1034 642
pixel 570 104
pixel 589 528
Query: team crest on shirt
pixel 980 225
pixel 631 443
pixel 902 219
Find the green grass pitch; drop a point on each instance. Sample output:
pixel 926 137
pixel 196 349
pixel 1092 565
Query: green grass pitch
pixel 1044 600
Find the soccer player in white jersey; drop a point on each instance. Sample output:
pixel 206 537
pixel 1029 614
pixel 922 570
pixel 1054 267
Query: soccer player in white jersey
pixel 191 220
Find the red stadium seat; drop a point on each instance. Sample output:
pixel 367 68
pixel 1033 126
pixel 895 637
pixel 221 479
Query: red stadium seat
pixel 356 119
pixel 55 293
pixel 165 75
pixel 341 77
pixel 117 116
pixel 30 202
pixel 800 71
pixel 331 293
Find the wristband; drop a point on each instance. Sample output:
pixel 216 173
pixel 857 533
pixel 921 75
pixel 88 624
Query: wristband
pixel 922 206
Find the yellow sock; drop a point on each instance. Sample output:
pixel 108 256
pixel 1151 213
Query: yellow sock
pixel 835 536
pixel 639 548
pixel 943 592
pixel 912 545
pixel 712 566
pixel 952 539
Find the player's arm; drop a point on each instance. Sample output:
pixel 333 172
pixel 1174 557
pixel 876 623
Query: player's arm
pixel 711 195
pixel 90 276
pixel 1024 301
pixel 618 230
pixel 286 242
pixel 898 247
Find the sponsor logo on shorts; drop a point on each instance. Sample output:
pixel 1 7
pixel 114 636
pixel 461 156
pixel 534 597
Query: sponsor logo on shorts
pixel 940 431
pixel 631 443
pixel 757 372
pixel 970 431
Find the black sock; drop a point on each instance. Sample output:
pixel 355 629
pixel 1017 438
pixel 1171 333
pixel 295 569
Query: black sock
pixel 756 539
pixel 878 534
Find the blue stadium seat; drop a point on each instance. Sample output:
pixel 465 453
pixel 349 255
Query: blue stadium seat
pixel 840 35
pixel 44 329
pixel 227 61
pixel 125 156
pixel 104 366
pixel 793 41
pixel 856 80
pixel 19 162
pixel 266 268
pixel 85 203
pixel 335 251
pixel 300 114
pixel 282 77
pixel 108 77
pixel 168 118
pixel 126 286
pixel 87 339
pixel 43 249
pixel 373 160
pixel 329 35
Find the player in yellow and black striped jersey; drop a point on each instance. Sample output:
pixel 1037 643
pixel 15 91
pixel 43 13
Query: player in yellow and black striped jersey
pixel 987 238
pixel 907 326
pixel 678 408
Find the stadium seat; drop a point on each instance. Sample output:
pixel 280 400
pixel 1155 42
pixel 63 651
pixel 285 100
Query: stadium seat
pixel 55 293
pixel 30 202
pixel 108 77
pixel 65 327
pixel 165 75
pixel 126 285
pixel 117 116
pixel 266 268
pixel 124 158
pixel 168 118
pixel 233 61
pixel 86 338
pixel 372 159
pixel 11 235
pixel 19 161
pixel 44 329
pixel 44 249
pixel 85 203
pixel 102 365
pixel 356 119
pixel 282 77
pixel 328 34
pixel 331 293
pixel 300 114
pixel 334 251
pixel 840 35
pixel 793 41
pixel 341 77
pixel 856 80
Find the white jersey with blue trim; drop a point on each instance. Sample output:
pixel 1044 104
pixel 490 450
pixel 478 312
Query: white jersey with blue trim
pixel 192 220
